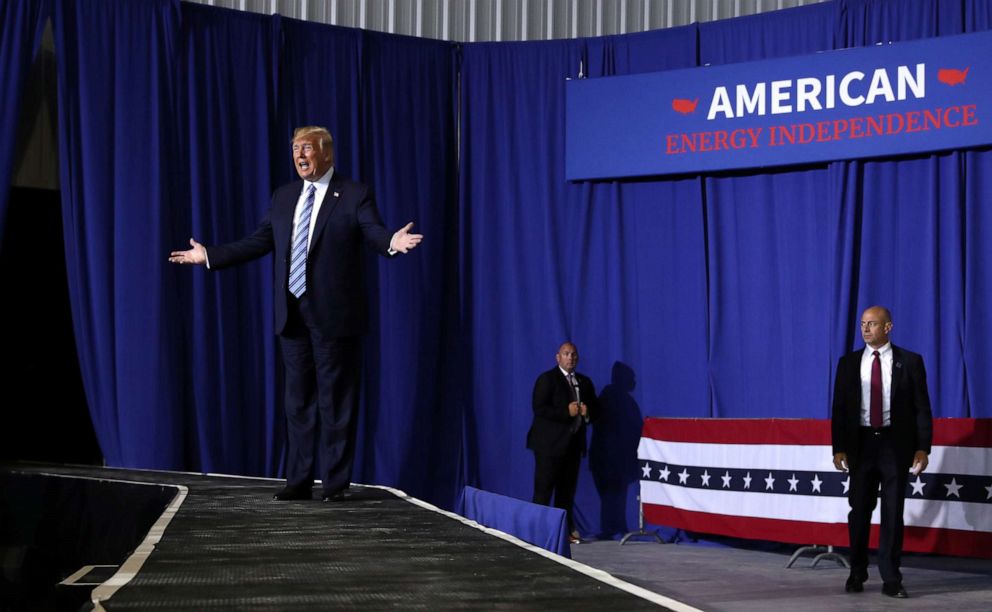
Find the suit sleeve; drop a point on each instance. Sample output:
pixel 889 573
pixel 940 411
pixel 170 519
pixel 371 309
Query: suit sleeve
pixel 544 400
pixel 370 222
pixel 921 408
pixel 253 246
pixel 838 412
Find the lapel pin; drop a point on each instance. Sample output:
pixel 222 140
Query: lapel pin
pixel 337 195
pixel 898 365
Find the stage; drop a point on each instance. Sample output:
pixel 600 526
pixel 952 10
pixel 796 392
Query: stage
pixel 219 542
pixel 222 543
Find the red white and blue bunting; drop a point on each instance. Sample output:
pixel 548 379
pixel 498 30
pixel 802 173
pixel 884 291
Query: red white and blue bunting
pixel 774 479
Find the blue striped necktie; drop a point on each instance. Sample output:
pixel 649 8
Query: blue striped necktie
pixel 298 263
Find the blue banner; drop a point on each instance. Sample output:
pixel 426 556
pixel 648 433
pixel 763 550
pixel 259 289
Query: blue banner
pixel 886 100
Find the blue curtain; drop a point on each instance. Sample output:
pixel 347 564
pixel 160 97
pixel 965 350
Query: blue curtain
pixel 767 305
pixel 905 227
pixel 516 234
pixel 408 432
pixel 319 70
pixel 228 85
pixel 117 155
pixel 687 296
pixel 21 24
pixel 796 31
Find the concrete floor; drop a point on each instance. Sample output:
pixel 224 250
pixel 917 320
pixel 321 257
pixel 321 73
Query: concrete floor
pixel 736 579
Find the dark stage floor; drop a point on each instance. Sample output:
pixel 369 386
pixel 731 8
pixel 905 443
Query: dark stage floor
pixel 228 546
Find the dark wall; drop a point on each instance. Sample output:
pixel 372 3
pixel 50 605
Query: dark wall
pixel 43 412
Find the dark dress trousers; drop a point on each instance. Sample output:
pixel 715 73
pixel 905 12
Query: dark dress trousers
pixel 557 439
pixel 319 332
pixel 880 457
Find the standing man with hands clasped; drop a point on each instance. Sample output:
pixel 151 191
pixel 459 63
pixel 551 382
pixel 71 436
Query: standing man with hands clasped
pixel 882 427
pixel 316 227
pixel 564 402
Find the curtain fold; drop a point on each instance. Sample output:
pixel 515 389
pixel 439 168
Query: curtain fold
pixel 21 25
pixel 228 84
pixel 518 231
pixel 409 431
pixel 118 152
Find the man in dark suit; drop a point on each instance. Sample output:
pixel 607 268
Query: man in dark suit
pixel 564 401
pixel 316 227
pixel 882 428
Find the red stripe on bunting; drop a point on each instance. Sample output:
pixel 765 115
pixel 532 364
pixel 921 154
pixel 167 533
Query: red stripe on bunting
pixel 739 431
pixel 798 432
pixel 917 539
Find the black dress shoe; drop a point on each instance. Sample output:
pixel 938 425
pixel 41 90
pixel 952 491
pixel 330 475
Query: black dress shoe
pixel 292 493
pixel 855 583
pixel 337 496
pixel 894 589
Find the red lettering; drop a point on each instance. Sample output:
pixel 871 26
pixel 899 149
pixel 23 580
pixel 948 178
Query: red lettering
pixel 821 131
pixel 947 116
pixel 754 133
pixel 889 118
pixel 791 135
pixel 721 140
pixel 875 125
pixel 840 128
pixel 857 124
pixel 969 115
pixel 704 141
pixel 931 118
pixel 913 122
pixel 689 142
pixel 738 139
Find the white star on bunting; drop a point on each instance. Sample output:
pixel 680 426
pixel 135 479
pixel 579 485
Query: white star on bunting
pixel 726 479
pixel 793 483
pixel 954 488
pixel 918 486
pixel 647 470
pixel 847 484
pixel 816 482
pixel 747 481
pixel 663 474
pixel 706 478
pixel 683 476
pixel 769 482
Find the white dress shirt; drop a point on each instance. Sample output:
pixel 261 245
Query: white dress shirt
pixel 885 356
pixel 322 185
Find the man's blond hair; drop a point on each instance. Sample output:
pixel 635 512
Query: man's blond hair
pixel 325 141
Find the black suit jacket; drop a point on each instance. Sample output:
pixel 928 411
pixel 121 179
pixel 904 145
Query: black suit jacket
pixel 911 419
pixel 335 267
pixel 551 433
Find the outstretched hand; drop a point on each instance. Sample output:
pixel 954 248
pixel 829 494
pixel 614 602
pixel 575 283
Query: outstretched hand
pixel 195 255
pixel 403 240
